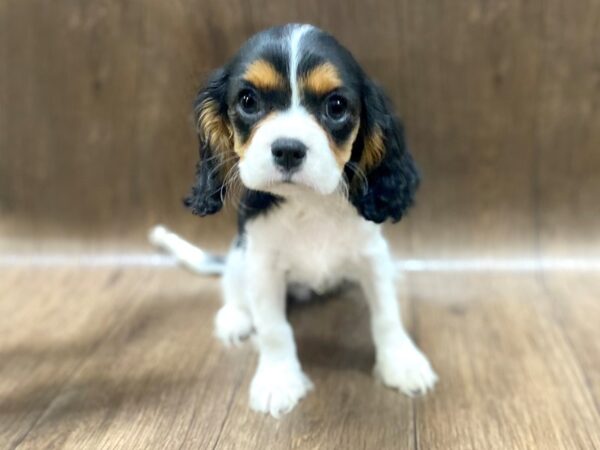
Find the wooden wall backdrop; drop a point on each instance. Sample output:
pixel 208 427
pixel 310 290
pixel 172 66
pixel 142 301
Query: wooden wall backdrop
pixel 501 101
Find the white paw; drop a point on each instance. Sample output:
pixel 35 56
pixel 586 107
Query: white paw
pixel 277 389
pixel 233 325
pixel 407 369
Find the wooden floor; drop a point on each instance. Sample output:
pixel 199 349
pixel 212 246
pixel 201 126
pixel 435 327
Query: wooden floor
pixel 125 358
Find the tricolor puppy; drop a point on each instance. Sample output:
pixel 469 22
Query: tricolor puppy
pixel 322 162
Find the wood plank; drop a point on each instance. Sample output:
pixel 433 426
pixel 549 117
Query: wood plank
pixel 148 373
pixel 50 320
pixel 509 378
pixel 500 102
pixel 573 302
pixel 156 375
pixel 348 408
pixel 105 359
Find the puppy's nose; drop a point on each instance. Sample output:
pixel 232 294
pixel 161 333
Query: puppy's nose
pixel 287 153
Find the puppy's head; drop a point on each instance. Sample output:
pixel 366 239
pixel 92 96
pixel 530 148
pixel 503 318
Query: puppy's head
pixel 294 110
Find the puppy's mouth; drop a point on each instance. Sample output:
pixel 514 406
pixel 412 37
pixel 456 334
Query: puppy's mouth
pixel 287 182
pixel 288 178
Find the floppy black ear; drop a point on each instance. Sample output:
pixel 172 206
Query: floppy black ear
pixel 380 151
pixel 215 136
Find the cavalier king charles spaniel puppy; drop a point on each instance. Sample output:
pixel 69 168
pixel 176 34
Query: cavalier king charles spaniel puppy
pixel 321 162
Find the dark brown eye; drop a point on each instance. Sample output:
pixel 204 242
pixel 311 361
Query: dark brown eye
pixel 336 107
pixel 248 102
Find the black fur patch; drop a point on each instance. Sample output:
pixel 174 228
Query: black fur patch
pixel 207 191
pixel 254 204
pixel 392 181
pixel 392 184
pixel 339 132
pixel 273 100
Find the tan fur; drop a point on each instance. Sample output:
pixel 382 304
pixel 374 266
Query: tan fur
pixel 373 151
pixel 322 79
pixel 216 131
pixel 263 75
pixel 239 147
pixel 342 153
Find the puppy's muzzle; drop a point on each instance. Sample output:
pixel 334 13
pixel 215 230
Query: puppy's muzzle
pixel 288 154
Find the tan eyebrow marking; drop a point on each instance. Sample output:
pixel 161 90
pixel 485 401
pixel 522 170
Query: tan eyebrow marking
pixel 322 79
pixel 263 75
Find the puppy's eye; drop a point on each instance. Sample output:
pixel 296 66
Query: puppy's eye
pixel 336 107
pixel 248 102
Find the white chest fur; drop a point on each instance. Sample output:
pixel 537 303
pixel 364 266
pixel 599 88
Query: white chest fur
pixel 316 240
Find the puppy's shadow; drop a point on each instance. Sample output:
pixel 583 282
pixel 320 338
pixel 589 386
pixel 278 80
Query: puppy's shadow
pixel 332 331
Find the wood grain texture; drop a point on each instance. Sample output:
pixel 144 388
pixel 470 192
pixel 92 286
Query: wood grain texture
pixel 500 101
pixel 104 358
pixel 513 378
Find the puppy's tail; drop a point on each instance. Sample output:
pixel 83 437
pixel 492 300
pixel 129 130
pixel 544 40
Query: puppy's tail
pixel 186 254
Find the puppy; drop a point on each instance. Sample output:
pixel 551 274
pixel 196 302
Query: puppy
pixel 322 162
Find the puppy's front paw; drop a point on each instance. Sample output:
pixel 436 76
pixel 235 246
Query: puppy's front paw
pixel 407 369
pixel 233 325
pixel 277 389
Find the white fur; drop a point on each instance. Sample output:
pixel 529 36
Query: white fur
pixel 276 388
pixel 310 242
pixel 319 170
pixel 316 241
pixel 295 54
pixel 190 256
pixel 233 324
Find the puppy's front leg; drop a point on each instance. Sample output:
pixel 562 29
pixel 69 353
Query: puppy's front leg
pixel 279 382
pixel 399 363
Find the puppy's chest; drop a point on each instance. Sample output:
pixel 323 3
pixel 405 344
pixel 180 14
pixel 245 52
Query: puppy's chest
pixel 317 244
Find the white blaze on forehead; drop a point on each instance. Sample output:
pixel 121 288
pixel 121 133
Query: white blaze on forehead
pixel 295 124
pixel 295 38
pixel 320 170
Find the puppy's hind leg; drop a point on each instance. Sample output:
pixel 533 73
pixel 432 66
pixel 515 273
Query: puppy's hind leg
pixel 233 322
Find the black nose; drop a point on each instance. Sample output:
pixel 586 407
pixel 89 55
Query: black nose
pixel 288 154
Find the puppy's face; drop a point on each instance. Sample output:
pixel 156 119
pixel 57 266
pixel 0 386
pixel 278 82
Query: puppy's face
pixel 294 104
pixel 294 109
